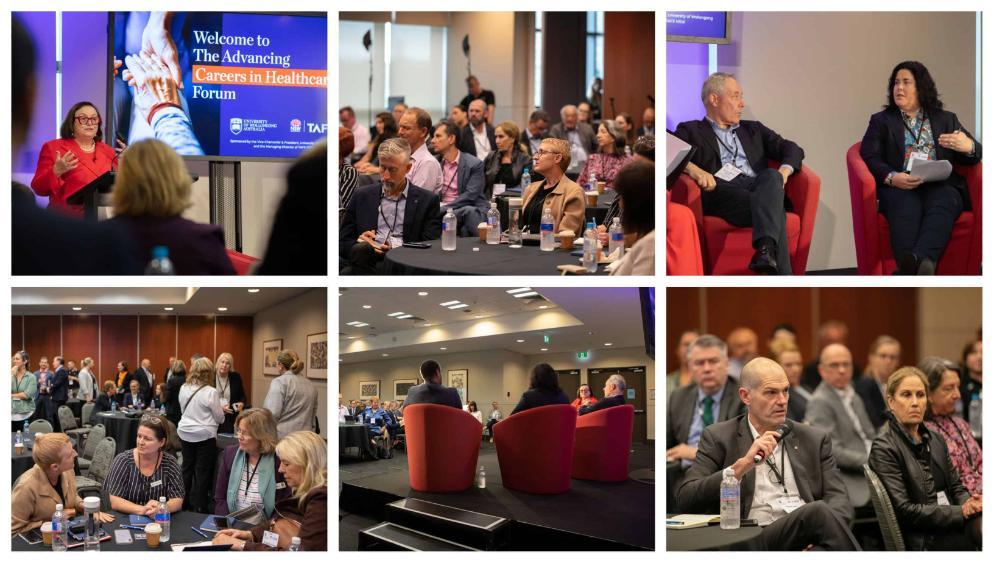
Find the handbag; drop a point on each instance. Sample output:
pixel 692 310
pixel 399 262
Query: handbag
pixel 286 528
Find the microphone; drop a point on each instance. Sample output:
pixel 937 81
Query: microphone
pixel 783 431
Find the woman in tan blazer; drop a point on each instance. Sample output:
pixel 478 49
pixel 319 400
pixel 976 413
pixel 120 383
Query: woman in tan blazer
pixel 557 192
pixel 35 495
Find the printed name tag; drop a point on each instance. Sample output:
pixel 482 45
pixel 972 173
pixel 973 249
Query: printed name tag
pixel 918 156
pixel 270 539
pixel 280 486
pixel 790 504
pixel 155 483
pixel 942 499
pixel 728 172
pixel 396 242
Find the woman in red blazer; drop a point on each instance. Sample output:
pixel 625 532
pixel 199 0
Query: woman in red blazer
pixel 68 164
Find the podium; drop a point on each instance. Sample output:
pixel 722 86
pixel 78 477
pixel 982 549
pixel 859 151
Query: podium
pixel 88 195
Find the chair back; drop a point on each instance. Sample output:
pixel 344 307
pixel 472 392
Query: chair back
pixel 886 518
pixel 97 433
pixel 535 449
pixel 443 445
pixel 87 411
pixel 103 456
pixel 66 418
pixel 40 425
pixel 603 444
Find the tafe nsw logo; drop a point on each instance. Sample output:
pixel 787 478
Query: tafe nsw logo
pixel 317 128
pixel 235 125
pixel 295 126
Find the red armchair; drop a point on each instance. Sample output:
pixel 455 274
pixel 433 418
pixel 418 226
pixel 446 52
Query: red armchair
pixel 872 233
pixel 241 262
pixel 443 444
pixel 603 444
pixel 535 449
pixel 727 249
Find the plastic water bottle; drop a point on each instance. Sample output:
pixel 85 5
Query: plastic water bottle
pixel 730 500
pixel 547 240
pixel 449 232
pixel 590 246
pixel 493 222
pixel 481 482
pixel 163 518
pixel 18 439
pixel 160 265
pixel 60 530
pixel 526 179
pixel 91 505
pixel 513 232
pixel 27 428
pixel 113 406
pixel 295 544
pixel 615 238
pixel 976 415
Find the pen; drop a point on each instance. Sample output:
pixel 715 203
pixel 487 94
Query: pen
pixel 129 527
pixel 195 529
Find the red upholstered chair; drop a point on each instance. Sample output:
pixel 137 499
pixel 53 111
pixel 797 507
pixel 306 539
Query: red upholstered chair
pixel 727 249
pixel 872 233
pixel 603 443
pixel 241 262
pixel 535 449
pixel 443 444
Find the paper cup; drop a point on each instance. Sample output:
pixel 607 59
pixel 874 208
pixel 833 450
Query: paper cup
pixel 600 187
pixel 484 229
pixel 18 449
pixel 566 240
pixel 46 533
pixel 591 199
pixel 153 532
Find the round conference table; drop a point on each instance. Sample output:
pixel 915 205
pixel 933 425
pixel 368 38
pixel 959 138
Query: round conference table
pixel 355 435
pixel 488 260
pixel 595 213
pixel 122 428
pixel 21 463
pixel 708 538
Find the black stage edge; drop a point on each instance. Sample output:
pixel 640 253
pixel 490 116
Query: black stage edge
pixel 833 272
pixel 591 516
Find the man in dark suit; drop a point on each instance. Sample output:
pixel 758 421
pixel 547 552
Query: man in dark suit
pixel 383 216
pixel 59 391
pixel 462 180
pixel 478 138
pixel 134 397
pixel 581 137
pixel 614 395
pixel 797 495
pixel 537 129
pixel 730 166
pixel 146 379
pixel 883 360
pixel 713 397
pixel 432 391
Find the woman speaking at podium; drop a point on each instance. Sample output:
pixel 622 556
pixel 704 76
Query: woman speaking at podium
pixel 79 157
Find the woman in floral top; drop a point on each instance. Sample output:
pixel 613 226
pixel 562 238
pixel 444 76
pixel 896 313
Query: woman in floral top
pixel 943 392
pixel 609 158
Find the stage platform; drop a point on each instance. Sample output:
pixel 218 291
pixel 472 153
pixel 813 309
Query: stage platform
pixel 591 516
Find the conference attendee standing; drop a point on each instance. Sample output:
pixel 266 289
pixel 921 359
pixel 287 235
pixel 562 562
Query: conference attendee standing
pixel 581 137
pixel 562 196
pixel 151 191
pixel 58 392
pixel 943 392
pixel 478 137
pixel 177 377
pixel 614 395
pixel 230 390
pixel 603 165
pixel 634 185
pixel 432 391
pixel 543 389
pixel 248 473
pixel 146 379
pixel 78 157
pixel 730 166
pixel 883 359
pixel 476 92
pixel 914 125
pixel 797 495
pixel 507 164
pixel 292 398
pixel 933 508
pixel 462 180
pixel 197 429
pixel 23 390
pixel 87 382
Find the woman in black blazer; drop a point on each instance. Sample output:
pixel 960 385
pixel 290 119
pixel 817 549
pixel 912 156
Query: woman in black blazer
pixel 228 383
pixel 933 508
pixel 507 164
pixel 543 389
pixel 920 215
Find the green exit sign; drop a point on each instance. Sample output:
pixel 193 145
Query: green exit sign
pixel 583 356
pixel 545 338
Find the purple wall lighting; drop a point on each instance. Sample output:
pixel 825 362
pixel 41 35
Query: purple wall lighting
pixel 686 70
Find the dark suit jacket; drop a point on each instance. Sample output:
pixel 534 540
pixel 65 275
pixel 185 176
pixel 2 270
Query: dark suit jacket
pixel 433 394
pixel 683 401
pixel 533 398
pixel 868 390
pixel 129 401
pixel 146 390
pixel 468 145
pixel 588 137
pixel 469 182
pixel 237 389
pixel 173 411
pixel 102 404
pixel 422 216
pixel 194 248
pixel 882 148
pixel 519 161
pixel 605 403
pixel 60 385
pixel 723 443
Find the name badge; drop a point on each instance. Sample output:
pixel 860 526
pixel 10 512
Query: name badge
pixel 790 504
pixel 942 499
pixel 270 538
pixel 918 156
pixel 155 483
pixel 280 486
pixel 728 172
pixel 396 242
pixel 224 402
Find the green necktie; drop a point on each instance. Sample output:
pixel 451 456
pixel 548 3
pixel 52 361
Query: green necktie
pixel 707 417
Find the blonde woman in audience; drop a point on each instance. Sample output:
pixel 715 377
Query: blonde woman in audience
pixel 292 398
pixel 202 413
pixel 87 382
pixel 555 191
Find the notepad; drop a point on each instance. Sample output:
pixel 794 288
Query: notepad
pixel 930 170
pixel 688 521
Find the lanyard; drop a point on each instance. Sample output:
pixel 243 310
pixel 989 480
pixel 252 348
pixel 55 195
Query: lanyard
pixel 251 476
pixel 735 156
pixel 920 128
pixel 396 209
pixel 217 382
pixel 773 465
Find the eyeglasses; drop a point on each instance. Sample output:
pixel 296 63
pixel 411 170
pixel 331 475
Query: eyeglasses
pixel 540 152
pixel 83 120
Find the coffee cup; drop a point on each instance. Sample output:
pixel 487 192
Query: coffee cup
pixel 566 239
pixel 591 199
pixel 153 532
pixel 600 187
pixel 18 448
pixel 46 533
pixel 484 229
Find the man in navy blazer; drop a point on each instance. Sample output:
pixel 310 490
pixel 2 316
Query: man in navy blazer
pixel 462 180
pixel 382 216
pixel 730 166
pixel 59 391
pixel 614 395
pixel 432 391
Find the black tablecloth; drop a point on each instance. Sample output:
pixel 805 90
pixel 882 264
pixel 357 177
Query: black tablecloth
pixel 708 538
pixel 494 260
pixel 21 463
pixel 179 532
pixel 122 428
pixel 355 436
pixel 596 213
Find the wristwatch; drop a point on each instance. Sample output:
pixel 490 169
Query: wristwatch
pixel 889 180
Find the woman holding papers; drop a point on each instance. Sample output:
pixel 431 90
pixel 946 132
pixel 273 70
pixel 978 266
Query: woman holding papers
pixel 920 208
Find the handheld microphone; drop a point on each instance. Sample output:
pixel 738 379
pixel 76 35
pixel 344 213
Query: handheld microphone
pixel 783 431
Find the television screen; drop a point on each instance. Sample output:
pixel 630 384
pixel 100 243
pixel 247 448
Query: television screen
pixel 648 298
pixel 698 27
pixel 238 86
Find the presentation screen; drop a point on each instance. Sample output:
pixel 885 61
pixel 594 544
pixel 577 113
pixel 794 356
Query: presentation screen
pixel 235 86
pixel 698 27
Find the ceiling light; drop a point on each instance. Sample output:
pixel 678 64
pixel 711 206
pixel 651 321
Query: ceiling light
pixel 422 293
pixel 526 294
pixel 443 348
pixel 385 354
pixel 402 317
pixel 543 306
pixel 544 349
pixel 77 308
pixel 519 290
pixel 459 306
pixel 520 340
pixel 447 303
pixel 478 316
pixel 254 290
pixel 426 325
pixel 167 308
pixel 367 306
pixel 609 343
pixel 357 324
pixel 396 314
pixel 222 309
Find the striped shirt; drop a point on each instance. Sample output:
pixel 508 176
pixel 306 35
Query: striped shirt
pixel 248 491
pixel 126 481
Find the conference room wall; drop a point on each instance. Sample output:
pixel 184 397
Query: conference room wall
pixel 816 78
pixel 291 320
pixel 629 62
pixel 926 321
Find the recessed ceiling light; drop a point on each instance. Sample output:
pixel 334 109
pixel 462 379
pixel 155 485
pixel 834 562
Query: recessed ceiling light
pixel 222 309
pixel 519 290
pixel 443 348
pixel 77 308
pixel 402 317
pixel 254 290
pixel 396 314
pixel 609 343
pixel 544 349
pixel 447 303
pixel 427 324
pixel 367 306
pixel 357 324
pixel 520 340
pixel 385 354
pixel 525 294
pixel 459 306
pixel 422 293
pixel 543 306
pixel 477 316
pixel 167 308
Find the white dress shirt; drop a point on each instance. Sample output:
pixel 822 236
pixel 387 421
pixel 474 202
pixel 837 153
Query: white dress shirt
pixel 426 172
pixel 361 136
pixel 765 509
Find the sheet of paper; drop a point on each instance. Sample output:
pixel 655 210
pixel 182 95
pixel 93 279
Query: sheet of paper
pixel 930 170
pixel 676 150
